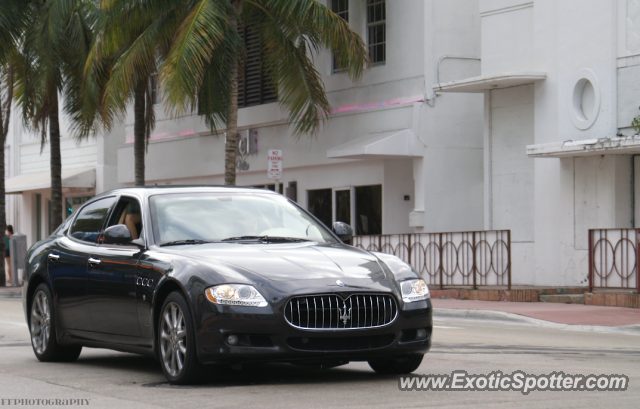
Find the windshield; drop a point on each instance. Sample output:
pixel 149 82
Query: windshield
pixel 220 216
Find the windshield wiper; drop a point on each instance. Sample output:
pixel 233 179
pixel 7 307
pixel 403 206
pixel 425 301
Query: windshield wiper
pixel 188 241
pixel 267 239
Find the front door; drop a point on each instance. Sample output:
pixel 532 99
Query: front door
pixel 67 264
pixel 113 281
pixel 112 289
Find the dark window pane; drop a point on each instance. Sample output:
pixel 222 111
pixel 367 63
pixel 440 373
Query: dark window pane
pixel 343 206
pixel 89 222
pixel 376 17
pixel 254 84
pixel 341 8
pixel 320 205
pixel 155 96
pixel 38 217
pixel 369 210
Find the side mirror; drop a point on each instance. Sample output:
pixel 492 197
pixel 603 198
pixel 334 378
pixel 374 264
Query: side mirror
pixel 118 234
pixel 343 230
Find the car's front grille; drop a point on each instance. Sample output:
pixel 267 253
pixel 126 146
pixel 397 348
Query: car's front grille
pixel 334 312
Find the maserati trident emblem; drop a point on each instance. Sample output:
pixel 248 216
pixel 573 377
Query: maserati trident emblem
pixel 344 314
pixel 340 283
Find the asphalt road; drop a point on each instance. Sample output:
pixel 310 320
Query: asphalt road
pixel 112 379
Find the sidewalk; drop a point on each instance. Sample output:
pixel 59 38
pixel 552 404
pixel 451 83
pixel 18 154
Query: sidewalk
pixel 572 314
pixel 10 292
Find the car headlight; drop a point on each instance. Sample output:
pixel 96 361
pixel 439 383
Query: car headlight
pixel 414 290
pixel 235 294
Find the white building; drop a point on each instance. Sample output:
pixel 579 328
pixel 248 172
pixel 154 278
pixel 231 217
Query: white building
pixel 459 125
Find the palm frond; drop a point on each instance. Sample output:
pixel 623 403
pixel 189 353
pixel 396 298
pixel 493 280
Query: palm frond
pixel 205 33
pixel 291 32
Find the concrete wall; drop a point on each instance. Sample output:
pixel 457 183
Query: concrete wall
pixel 507 35
pixel 563 51
pixel 512 174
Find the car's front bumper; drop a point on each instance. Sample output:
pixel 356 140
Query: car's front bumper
pixel 266 336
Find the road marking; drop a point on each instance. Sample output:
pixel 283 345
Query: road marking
pixel 440 326
pixel 17 324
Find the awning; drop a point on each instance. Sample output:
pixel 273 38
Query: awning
pixel 379 145
pixel 79 177
pixel 586 147
pixel 489 82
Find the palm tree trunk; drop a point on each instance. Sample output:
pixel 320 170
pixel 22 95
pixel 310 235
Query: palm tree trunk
pixel 5 116
pixel 139 133
pixel 56 164
pixel 231 144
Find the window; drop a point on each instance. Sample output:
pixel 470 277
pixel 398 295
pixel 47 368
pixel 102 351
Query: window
pixel 369 209
pixel 128 212
pixel 74 203
pixel 254 85
pixel 89 222
pixel 292 191
pixel 38 217
pixel 377 31
pixel 319 205
pixel 155 95
pixel 343 206
pixel 49 218
pixel 341 8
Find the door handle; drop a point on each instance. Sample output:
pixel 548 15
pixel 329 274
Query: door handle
pixel 94 261
pixel 53 257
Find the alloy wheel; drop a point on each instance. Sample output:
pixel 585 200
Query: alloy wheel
pixel 40 322
pixel 173 339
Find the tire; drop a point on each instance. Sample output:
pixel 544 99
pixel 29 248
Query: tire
pixel 176 341
pixel 42 327
pixel 396 366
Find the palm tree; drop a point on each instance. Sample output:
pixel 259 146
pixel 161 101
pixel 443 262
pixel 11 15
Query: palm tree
pixel 53 53
pixel 11 25
pixel 132 38
pixel 196 48
pixel 202 63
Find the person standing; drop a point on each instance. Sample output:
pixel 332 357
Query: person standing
pixel 7 254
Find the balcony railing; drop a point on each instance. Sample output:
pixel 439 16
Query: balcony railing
pixel 460 259
pixel 613 258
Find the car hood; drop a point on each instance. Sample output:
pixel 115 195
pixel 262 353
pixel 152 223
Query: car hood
pixel 293 261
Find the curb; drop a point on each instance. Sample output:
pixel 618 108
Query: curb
pixel 516 319
pixel 17 293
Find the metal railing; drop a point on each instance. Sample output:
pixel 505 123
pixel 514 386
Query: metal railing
pixel 475 258
pixel 613 258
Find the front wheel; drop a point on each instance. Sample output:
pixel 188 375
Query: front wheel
pixel 42 326
pixel 396 365
pixel 176 341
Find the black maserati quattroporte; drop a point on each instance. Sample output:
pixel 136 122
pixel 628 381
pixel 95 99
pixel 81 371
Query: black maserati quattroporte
pixel 204 275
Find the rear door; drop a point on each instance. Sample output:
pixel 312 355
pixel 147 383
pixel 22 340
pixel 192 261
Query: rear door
pixel 67 263
pixel 112 276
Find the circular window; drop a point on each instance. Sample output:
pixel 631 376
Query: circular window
pixel 585 101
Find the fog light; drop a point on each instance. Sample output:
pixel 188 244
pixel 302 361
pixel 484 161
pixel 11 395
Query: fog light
pixel 421 333
pixel 232 340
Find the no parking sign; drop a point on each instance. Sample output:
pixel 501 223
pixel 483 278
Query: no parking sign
pixel 274 164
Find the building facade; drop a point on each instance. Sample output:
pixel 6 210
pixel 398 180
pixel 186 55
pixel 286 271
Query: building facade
pixel 475 114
